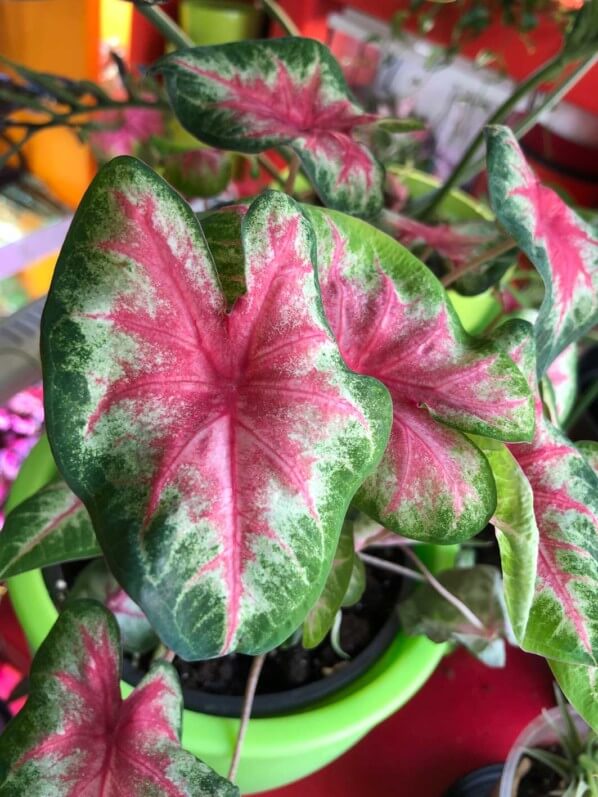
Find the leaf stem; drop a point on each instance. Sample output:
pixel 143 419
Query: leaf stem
pixel 275 11
pixel 551 99
pixel 392 567
pixel 584 402
pixel 166 26
pixel 294 165
pixel 252 680
pixel 267 165
pixel 444 592
pixel 489 254
pixel 433 199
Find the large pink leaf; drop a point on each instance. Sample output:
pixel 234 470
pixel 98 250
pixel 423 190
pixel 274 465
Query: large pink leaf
pixel 562 246
pixel 562 622
pixel 215 450
pixel 392 321
pixel 76 737
pixel 249 96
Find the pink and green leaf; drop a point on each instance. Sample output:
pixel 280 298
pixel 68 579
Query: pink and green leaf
pixel 76 736
pixel 251 96
pixel 50 527
pixel 561 245
pixel 320 619
pixel 560 383
pixel 202 172
pixel 96 582
pixel 563 624
pixel 216 449
pixel 580 686
pixel 392 321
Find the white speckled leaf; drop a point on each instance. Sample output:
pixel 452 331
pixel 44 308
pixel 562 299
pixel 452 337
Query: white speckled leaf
pixel 251 96
pixel 216 449
pixel 50 527
pixel 561 245
pixel 392 321
pixel 76 737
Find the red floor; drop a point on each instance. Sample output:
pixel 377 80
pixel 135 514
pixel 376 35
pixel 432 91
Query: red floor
pixel 465 717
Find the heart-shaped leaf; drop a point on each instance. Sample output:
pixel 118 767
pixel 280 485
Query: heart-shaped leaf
pixel 250 96
pixel 562 246
pixel 51 527
pixel 76 736
pixel 562 622
pixel 216 451
pixel 480 589
pixel 392 321
pixel 320 619
pixel 95 581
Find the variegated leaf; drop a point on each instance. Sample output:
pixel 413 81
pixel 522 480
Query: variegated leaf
pixel 480 589
pixel 561 382
pixel 320 619
pixel 589 448
pixel 580 687
pixel 76 736
pixel 95 581
pixel 203 172
pixel 562 622
pixel 562 246
pixel 51 527
pixel 216 451
pixel 250 96
pixel 392 321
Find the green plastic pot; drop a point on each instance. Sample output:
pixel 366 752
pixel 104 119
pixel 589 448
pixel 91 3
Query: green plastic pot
pixel 475 312
pixel 219 21
pixel 277 750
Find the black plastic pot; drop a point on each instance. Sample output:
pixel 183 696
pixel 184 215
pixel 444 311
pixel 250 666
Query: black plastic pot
pixel 271 705
pixel 265 705
pixel 480 783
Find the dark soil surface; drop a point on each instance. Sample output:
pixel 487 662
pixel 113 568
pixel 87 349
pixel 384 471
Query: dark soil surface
pixel 540 780
pixel 287 667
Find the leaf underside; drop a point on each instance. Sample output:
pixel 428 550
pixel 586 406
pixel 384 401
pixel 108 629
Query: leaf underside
pixel 561 245
pixel 76 736
pixel 216 449
pixel 251 96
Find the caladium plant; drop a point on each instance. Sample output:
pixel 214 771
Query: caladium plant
pixel 562 246
pixel 240 403
pixel 76 736
pixel 206 444
pixel 252 96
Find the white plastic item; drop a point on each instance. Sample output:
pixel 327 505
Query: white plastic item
pixel 538 733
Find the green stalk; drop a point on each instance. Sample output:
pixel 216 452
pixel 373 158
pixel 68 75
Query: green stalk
pixel 432 200
pixel 548 103
pixel 585 401
pixel 165 25
pixel 278 14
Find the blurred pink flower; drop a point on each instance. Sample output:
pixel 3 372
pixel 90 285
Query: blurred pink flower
pixel 128 128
